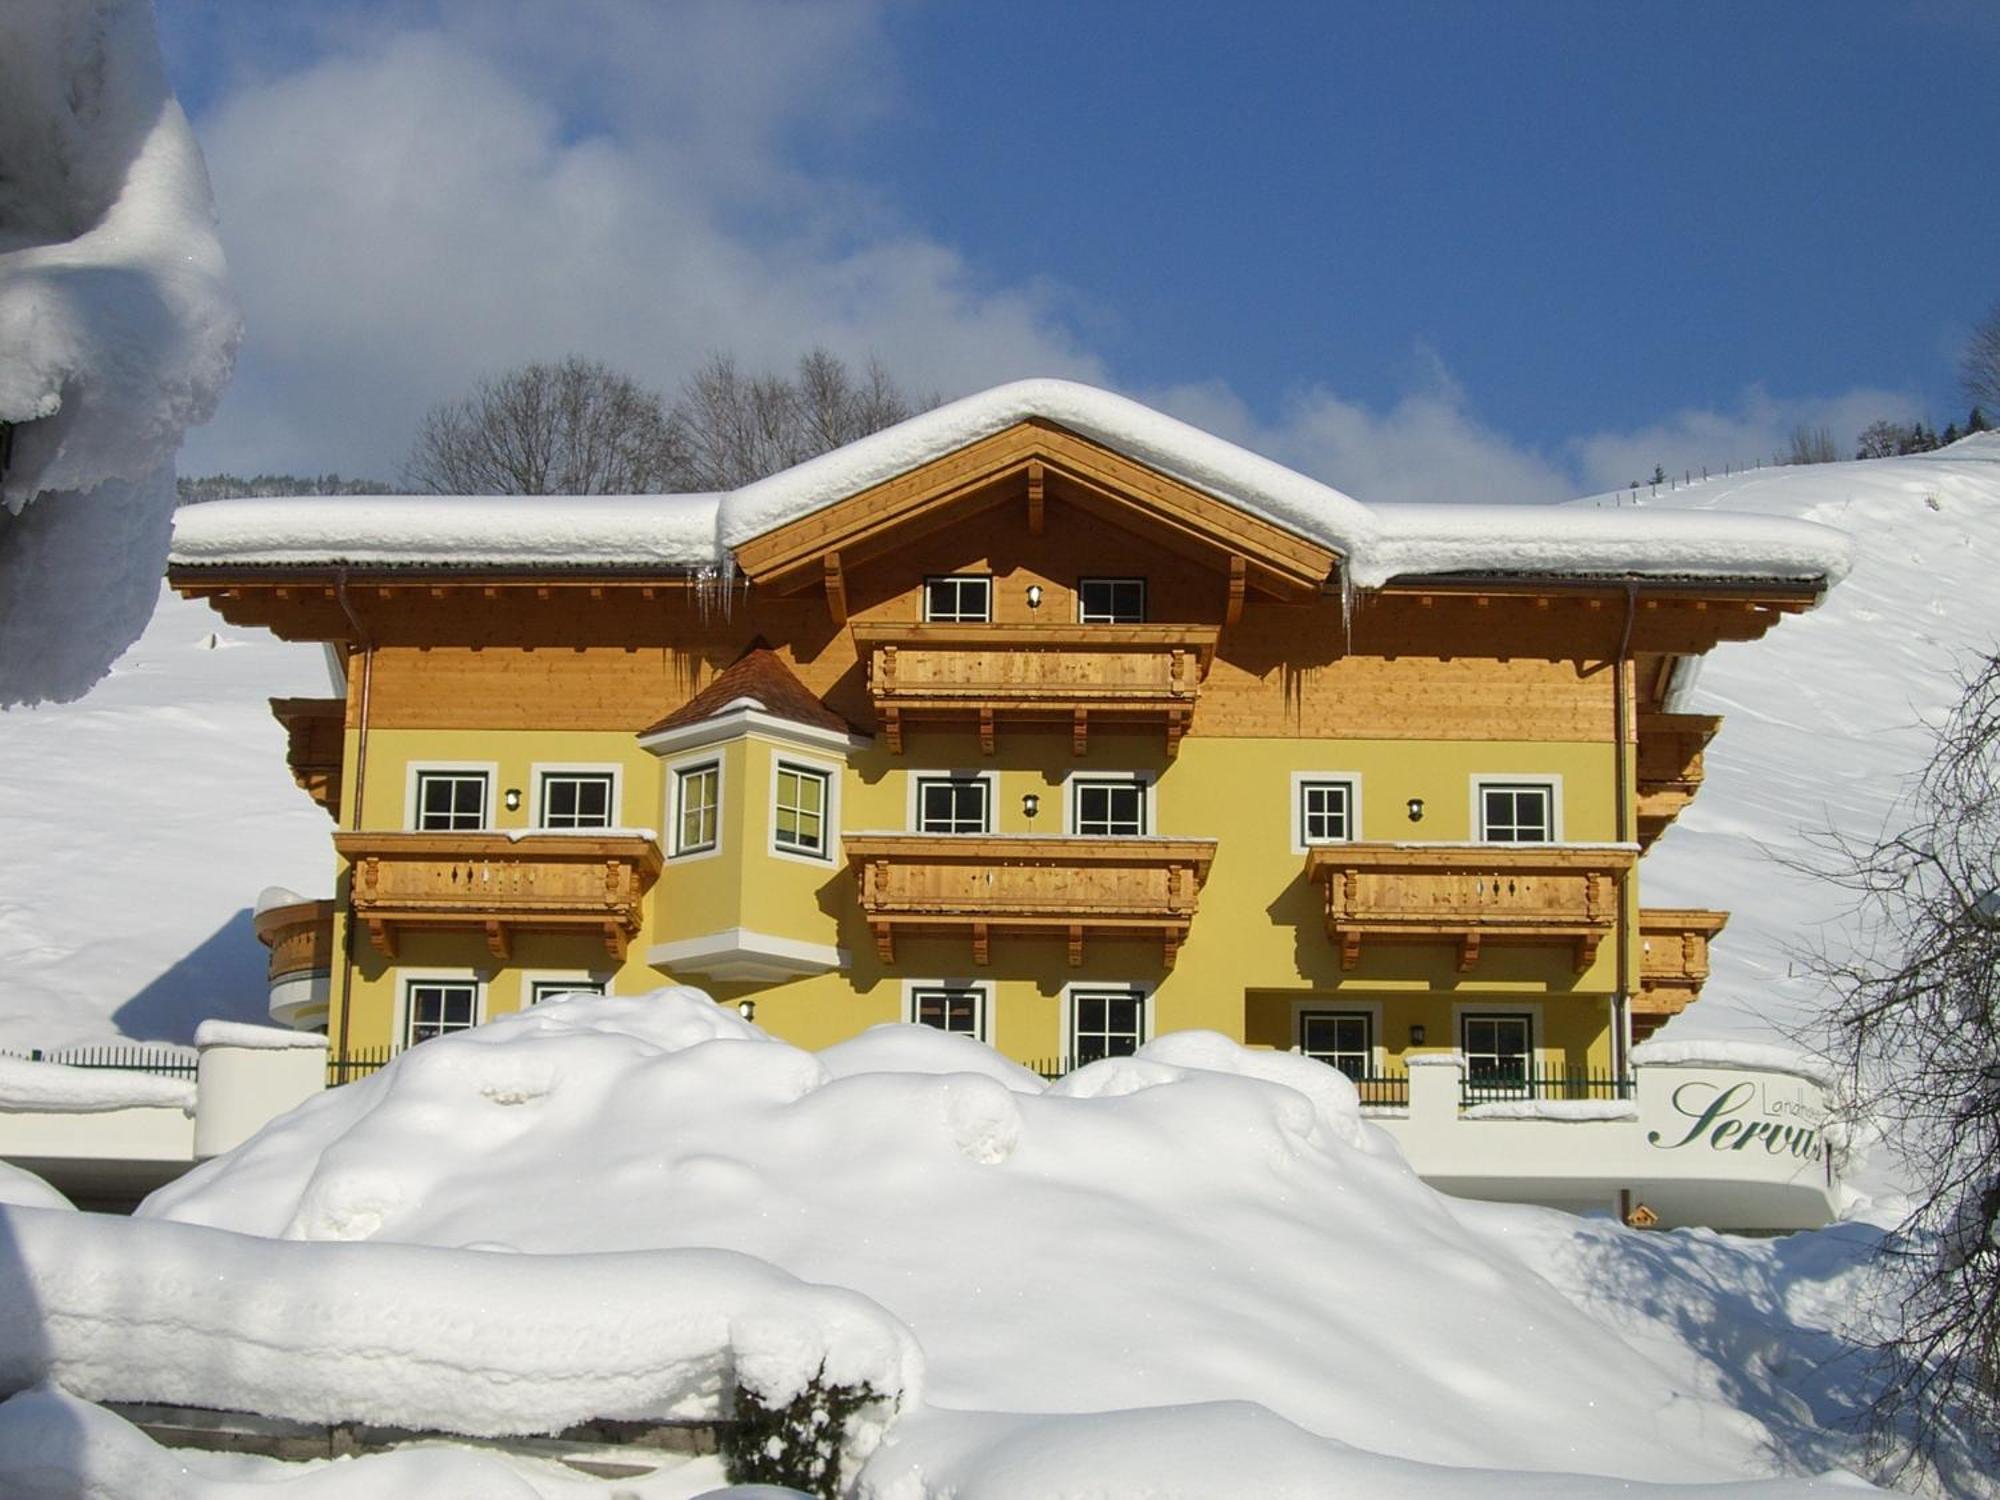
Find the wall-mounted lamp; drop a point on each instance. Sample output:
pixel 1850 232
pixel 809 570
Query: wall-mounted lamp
pixel 513 799
pixel 1416 807
pixel 747 1009
pixel 1034 596
pixel 1416 1036
pixel 1031 803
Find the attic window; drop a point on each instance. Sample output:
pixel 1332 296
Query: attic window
pixel 1111 601
pixel 958 598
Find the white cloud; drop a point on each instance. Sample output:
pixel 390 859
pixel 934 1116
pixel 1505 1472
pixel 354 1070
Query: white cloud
pixel 426 207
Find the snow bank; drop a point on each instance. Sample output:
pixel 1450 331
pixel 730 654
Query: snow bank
pixel 1728 1053
pixel 117 328
pixel 1198 1223
pixel 463 1340
pixel 51 1088
pixel 26 1190
pixel 1379 543
pixel 260 1038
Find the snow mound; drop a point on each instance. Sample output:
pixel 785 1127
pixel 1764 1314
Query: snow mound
pixel 118 331
pixel 1196 1224
pixel 52 1088
pixel 25 1190
pixel 466 1341
pixel 1711 1053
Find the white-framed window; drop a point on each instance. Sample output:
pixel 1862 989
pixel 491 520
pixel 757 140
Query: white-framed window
pixel 450 798
pixel 1343 1039
pixel 1105 1021
pixel 535 989
pixel 958 597
pixel 695 815
pixel 1499 1047
pixel 1326 809
pixel 1108 805
pixel 576 796
pixel 434 1005
pixel 958 1006
pixel 951 802
pixel 802 810
pixel 1517 810
pixel 1111 601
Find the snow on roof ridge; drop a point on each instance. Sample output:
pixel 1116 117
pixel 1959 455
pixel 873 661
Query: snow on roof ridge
pixel 1378 542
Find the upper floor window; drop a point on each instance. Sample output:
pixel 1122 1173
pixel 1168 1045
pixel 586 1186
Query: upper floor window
pixel 697 807
pixel 1325 810
pixel 799 814
pixel 1104 807
pixel 432 1007
pixel 1111 601
pixel 451 801
pixel 1106 1023
pixel 578 799
pixel 954 804
pixel 1517 812
pixel 958 597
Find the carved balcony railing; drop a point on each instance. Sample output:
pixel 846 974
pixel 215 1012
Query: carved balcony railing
pixel 1673 963
pixel 300 937
pixel 1058 676
pixel 498 885
pixel 1077 889
pixel 314 729
pixel 1670 751
pixel 1471 895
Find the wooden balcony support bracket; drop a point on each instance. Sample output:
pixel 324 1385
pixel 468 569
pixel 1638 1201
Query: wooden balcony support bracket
pixel 885 941
pixel 1037 497
pixel 497 941
pixel 1239 580
pixel 982 944
pixel 836 588
pixel 1079 732
pixel 1075 946
pixel 892 729
pixel 986 736
pixel 381 936
pixel 1468 950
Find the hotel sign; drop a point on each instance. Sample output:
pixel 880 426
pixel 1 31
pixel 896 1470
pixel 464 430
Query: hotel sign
pixel 1778 1118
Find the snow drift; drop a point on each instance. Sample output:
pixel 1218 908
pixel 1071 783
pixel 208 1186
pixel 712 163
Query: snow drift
pixel 116 332
pixel 1200 1223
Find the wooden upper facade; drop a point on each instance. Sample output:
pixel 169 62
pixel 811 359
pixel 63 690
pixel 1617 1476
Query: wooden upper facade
pixel 1312 758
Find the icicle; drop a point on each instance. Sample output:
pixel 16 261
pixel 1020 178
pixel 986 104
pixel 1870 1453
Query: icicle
pixel 1346 608
pixel 715 588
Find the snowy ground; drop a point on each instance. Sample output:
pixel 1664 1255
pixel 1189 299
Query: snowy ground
pixel 1197 1273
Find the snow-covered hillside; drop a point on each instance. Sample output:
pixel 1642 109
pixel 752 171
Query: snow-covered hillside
pixel 1824 718
pixel 137 826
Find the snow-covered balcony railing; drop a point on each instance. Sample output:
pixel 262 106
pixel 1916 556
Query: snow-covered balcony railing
pixel 1077 889
pixel 314 730
pixel 300 937
pixel 1669 767
pixel 1673 963
pixel 499 884
pixel 1471 894
pixel 1055 676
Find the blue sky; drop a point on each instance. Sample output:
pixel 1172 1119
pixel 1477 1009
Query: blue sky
pixel 1447 251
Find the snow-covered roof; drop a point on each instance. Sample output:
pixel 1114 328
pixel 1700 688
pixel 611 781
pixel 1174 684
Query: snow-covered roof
pixel 1380 542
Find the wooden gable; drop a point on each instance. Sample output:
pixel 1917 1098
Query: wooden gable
pixel 1029 465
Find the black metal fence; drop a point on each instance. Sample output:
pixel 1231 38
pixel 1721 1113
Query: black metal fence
pixel 124 1057
pixel 1560 1084
pixel 349 1066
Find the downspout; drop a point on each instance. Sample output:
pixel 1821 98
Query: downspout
pixel 360 787
pixel 1621 1000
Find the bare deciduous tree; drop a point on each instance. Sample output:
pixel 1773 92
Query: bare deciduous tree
pixel 1979 366
pixel 1884 439
pixel 1916 1025
pixel 574 428
pixel 739 427
pixel 1811 445
pixel 579 428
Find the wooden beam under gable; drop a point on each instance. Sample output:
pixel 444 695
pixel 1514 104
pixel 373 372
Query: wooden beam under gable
pixel 1031 456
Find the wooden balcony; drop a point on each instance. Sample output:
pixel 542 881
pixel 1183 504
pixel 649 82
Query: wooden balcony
pixel 1056 676
pixel 314 729
pixel 1670 751
pixel 300 937
pixel 496 885
pixel 1673 963
pixel 1075 888
pixel 1471 895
